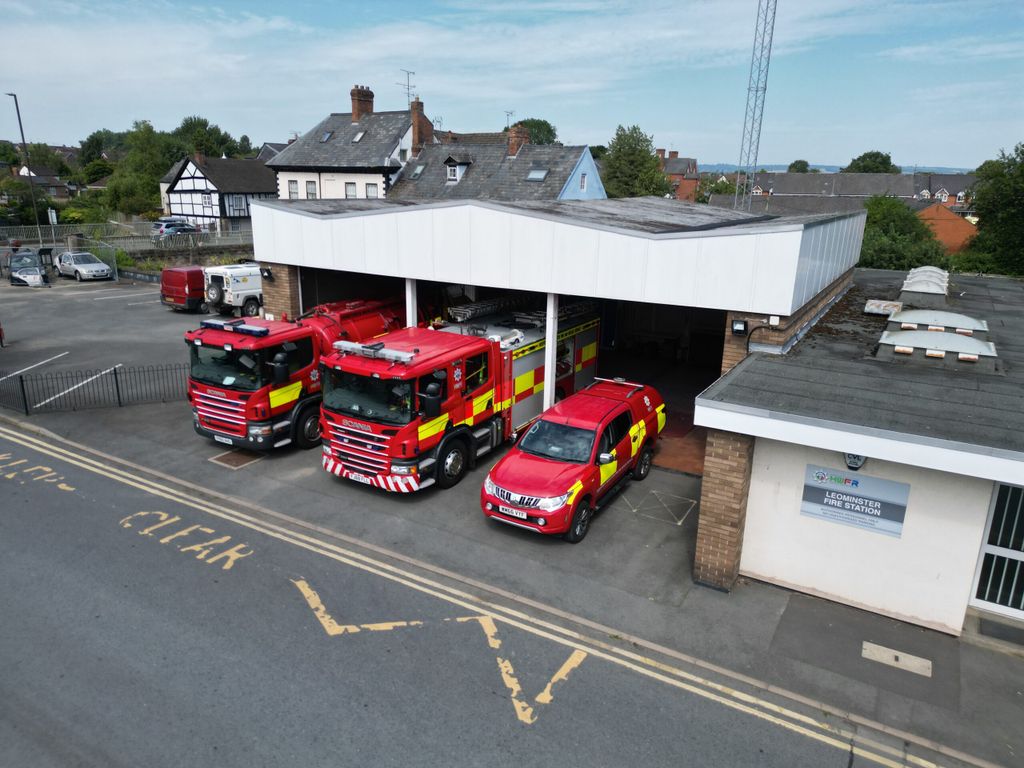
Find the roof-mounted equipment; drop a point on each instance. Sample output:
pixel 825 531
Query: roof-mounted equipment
pixel 235 326
pixel 375 351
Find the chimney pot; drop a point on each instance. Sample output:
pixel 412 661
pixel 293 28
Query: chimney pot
pixel 362 102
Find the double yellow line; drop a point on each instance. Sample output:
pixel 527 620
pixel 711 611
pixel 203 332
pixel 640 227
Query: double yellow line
pixel 847 739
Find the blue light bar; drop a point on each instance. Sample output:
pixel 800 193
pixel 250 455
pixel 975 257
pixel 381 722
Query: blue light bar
pixel 235 326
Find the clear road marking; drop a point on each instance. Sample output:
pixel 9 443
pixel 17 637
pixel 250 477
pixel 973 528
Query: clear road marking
pixel 126 295
pixel 835 734
pixel 80 384
pixel 898 659
pixel 47 360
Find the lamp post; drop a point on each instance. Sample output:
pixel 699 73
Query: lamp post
pixel 28 166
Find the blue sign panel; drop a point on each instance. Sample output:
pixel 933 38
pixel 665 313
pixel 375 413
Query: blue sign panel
pixel 854 499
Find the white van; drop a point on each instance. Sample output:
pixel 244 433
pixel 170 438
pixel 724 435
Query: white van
pixel 234 285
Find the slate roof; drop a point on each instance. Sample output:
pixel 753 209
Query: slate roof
pixel 953 183
pixel 491 174
pixel 270 150
pixel 450 137
pixel 843 184
pixel 681 166
pixel 232 176
pixel 795 205
pixel 831 375
pixel 173 171
pixel 383 131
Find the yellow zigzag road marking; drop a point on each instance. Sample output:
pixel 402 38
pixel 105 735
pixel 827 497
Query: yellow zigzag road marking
pixel 844 739
pixel 333 628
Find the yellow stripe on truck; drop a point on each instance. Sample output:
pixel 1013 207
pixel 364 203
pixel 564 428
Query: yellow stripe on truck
pixel 285 395
pixel 637 433
pixel 661 418
pixel 433 427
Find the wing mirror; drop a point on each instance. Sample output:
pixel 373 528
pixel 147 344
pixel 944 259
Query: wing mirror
pixel 605 458
pixel 279 368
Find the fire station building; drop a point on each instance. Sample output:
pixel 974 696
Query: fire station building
pixel 873 459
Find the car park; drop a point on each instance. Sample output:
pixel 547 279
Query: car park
pixel 26 268
pixel 184 288
pixel 572 459
pixel 82 265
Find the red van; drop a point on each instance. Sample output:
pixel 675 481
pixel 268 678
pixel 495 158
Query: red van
pixel 182 288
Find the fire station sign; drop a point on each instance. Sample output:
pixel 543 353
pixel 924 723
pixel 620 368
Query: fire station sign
pixel 856 500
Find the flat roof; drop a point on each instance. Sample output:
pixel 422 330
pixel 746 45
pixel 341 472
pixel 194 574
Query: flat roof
pixel 649 215
pixel 832 379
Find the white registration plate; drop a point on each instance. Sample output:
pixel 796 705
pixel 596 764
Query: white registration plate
pixel 225 440
pixel 359 478
pixel 512 512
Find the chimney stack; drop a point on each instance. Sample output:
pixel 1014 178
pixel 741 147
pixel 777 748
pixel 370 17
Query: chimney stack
pixel 673 155
pixel 422 128
pixel 362 102
pixel 199 158
pixel 660 153
pixel 517 136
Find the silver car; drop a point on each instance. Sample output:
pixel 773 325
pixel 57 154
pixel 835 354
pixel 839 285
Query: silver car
pixel 82 266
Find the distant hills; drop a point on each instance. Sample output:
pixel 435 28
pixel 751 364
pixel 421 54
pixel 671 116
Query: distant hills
pixel 731 168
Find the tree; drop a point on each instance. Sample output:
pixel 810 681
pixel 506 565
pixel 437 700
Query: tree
pixel 19 201
pixel 245 147
pixel 100 142
pixel 871 162
pixel 200 135
pixel 799 166
pixel 96 170
pixel 895 238
pixel 714 185
pixel 9 153
pixel 631 169
pixel 597 151
pixel 999 204
pixel 541 131
pixel 135 184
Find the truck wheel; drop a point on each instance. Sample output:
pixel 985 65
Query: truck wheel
pixel 580 523
pixel 215 293
pixel 643 464
pixel 251 308
pixel 307 428
pixel 203 308
pixel 452 464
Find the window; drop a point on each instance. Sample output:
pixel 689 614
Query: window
pixel 207 200
pixel 293 190
pixel 326 136
pixel 350 189
pixel 299 353
pixel 537 174
pixel 403 155
pixel 453 173
pixel 311 190
pixel 583 182
pixel 476 372
pixel 926 194
pixel 433 383
pixel 960 197
pixel 371 191
pixel 358 137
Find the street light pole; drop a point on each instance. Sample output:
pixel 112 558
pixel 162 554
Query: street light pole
pixel 28 166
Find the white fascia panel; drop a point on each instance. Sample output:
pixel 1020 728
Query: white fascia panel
pixel 941 455
pixel 316 238
pixel 288 239
pixel 573 262
pixel 725 277
pixel 451 243
pixel 381 244
pixel 670 275
pixel 349 252
pixel 531 254
pixel 776 260
pixel 490 235
pixel 621 267
pixel 415 234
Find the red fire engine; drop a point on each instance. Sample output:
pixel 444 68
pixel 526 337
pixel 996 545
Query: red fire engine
pixel 256 383
pixel 420 405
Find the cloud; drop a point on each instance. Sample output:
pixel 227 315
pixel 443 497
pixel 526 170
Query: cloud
pixel 960 50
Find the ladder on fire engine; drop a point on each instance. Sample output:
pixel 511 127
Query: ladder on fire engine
pixel 565 312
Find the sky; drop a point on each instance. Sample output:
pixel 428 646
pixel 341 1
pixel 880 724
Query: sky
pixel 933 83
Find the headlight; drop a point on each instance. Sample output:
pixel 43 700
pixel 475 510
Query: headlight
pixel 260 429
pixel 552 503
pixel 403 469
pixel 489 485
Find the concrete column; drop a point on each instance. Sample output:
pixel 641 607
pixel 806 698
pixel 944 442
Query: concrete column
pixel 411 310
pixel 550 350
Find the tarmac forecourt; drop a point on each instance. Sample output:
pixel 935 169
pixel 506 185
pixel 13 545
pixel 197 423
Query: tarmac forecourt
pixel 490 609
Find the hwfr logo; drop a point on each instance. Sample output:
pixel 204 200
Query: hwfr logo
pixel 824 478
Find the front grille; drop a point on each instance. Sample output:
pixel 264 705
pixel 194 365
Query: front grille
pixel 523 502
pixel 358 450
pixel 220 414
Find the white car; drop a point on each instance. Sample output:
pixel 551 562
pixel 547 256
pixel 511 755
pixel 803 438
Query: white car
pixel 82 266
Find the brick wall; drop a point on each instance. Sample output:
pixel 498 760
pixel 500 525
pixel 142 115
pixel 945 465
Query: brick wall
pixel 723 508
pixel 281 295
pixel 735 348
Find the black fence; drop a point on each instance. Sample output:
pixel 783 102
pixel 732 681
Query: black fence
pixel 116 386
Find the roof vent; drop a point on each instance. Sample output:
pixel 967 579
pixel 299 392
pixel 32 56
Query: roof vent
pixel 925 287
pixel 936 320
pixel 950 348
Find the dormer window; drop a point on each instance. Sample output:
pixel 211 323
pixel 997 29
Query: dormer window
pixel 757 191
pixel 942 195
pixel 960 197
pixel 453 173
pixel 537 174
pixel 358 137
pixel 456 168
pixel 326 136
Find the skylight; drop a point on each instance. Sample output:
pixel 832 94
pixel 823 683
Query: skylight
pixel 537 174
pixel 358 137
pixel 417 171
pixel 326 136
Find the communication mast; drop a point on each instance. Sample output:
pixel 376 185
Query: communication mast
pixel 755 103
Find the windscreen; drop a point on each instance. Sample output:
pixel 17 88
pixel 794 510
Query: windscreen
pixel 237 369
pixel 558 441
pixel 86 258
pixel 387 401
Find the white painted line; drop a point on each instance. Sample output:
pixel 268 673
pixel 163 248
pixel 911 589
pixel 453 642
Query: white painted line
pixel 81 384
pixel 47 360
pixel 137 303
pixel 898 659
pixel 96 290
pixel 127 295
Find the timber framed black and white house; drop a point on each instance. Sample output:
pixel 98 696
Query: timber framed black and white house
pixel 214 193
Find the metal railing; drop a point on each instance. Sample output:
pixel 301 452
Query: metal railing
pixel 131 237
pixel 116 386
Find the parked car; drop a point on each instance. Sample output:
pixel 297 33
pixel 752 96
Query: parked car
pixel 574 457
pixel 174 230
pixel 27 269
pixel 82 265
pixel 163 222
pixel 184 288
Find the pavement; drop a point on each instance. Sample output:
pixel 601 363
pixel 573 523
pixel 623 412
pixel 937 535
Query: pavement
pixel 629 582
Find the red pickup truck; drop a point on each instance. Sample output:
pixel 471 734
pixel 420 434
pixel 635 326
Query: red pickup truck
pixel 568 462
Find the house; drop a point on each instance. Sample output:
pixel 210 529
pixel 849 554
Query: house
pixel 355 154
pixel 476 167
pixel 271 149
pixel 47 182
pixel 682 173
pixel 214 193
pixel 165 183
pixel 950 229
